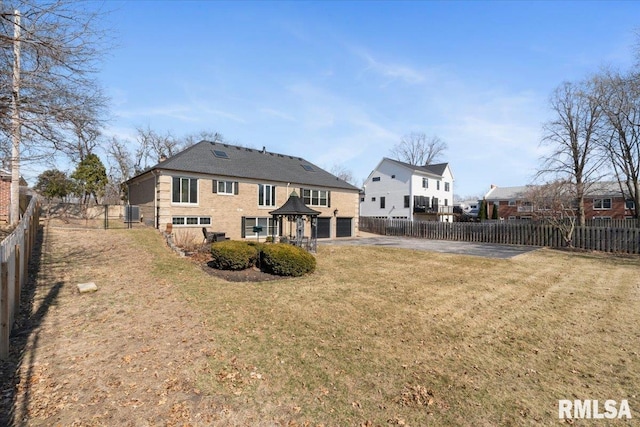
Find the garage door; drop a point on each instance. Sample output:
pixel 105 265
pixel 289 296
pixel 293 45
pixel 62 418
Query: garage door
pixel 343 227
pixel 324 228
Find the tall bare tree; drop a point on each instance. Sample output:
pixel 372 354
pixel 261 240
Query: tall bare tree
pixel 555 204
pixel 573 136
pixel 417 149
pixel 153 146
pixel 49 52
pixel 621 140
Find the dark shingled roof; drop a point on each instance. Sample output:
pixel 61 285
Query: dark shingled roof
pixel 225 160
pixel 436 169
pixel 294 206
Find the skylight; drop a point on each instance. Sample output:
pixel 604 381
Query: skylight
pixel 308 168
pixel 220 154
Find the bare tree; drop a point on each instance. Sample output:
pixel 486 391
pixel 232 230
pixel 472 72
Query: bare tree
pixel 572 136
pixel 417 149
pixel 343 173
pixel 205 135
pixel 120 155
pixel 153 147
pixel 49 52
pixel 621 140
pixel 555 204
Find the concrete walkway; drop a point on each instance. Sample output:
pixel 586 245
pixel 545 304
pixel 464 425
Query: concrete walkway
pixel 488 250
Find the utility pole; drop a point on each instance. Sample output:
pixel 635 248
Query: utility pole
pixel 16 129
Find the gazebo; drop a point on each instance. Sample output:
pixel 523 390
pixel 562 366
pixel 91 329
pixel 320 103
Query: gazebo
pixel 296 211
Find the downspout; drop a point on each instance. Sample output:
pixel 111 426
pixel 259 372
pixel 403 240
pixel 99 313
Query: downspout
pixel 156 214
pixel 411 198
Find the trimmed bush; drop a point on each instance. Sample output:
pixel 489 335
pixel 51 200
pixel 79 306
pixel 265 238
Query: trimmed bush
pixel 234 254
pixel 287 260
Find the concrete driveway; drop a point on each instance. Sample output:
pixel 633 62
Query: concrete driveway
pixel 487 250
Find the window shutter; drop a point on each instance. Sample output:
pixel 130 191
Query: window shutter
pixel 242 233
pixel 235 187
pixel 214 187
pixel 328 199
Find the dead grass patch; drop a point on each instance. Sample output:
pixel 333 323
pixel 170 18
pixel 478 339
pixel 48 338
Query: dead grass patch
pixel 376 336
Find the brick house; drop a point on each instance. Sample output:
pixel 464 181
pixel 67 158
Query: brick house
pixel 5 194
pixel 231 189
pixel 603 200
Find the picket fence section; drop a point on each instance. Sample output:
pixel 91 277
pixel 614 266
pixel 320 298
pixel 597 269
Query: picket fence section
pixel 606 239
pixel 15 252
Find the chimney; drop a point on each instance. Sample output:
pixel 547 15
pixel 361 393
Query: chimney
pixel 493 186
pixel 264 149
pixel 162 158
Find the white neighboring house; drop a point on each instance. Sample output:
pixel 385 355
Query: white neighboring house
pixel 399 190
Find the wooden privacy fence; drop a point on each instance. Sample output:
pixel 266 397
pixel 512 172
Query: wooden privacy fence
pixel 607 239
pixel 15 252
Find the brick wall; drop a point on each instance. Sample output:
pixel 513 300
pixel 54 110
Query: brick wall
pixel 5 198
pixel 226 211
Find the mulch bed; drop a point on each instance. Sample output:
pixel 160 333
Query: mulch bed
pixel 248 275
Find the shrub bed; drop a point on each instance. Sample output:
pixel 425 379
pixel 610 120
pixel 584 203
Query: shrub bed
pixel 287 260
pixel 234 254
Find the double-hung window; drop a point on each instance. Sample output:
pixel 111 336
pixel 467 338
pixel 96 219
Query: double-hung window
pixel 225 187
pixel 601 203
pixel 315 197
pixel 266 195
pixel 184 190
pixel 425 182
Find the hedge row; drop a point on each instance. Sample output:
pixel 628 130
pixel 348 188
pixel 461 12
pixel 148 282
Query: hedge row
pixel 281 259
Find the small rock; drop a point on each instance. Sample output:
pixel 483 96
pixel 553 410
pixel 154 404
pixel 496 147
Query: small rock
pixel 87 287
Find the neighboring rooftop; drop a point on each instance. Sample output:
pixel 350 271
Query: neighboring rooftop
pixel 434 169
pixel 226 160
pixel 604 188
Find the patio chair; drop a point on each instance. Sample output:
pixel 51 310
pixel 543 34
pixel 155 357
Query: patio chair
pixel 209 236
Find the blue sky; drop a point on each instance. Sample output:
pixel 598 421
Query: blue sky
pixel 339 83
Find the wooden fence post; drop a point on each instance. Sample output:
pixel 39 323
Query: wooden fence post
pixel 4 310
pixel 17 282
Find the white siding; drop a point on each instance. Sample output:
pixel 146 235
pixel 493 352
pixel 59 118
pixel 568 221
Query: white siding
pixel 393 182
pixel 393 185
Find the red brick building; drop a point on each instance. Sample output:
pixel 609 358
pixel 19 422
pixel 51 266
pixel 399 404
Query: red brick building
pixel 603 200
pixel 5 194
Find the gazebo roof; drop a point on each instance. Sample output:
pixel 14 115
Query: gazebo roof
pixel 294 206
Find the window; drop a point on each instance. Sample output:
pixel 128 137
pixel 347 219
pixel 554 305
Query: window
pixel 185 190
pixel 630 204
pixel 308 168
pixel 382 202
pixel 191 220
pixel 268 226
pixel 446 186
pixel 373 199
pixel 425 182
pixel 601 203
pixel 407 201
pixel 266 195
pixel 315 197
pixel 512 202
pixel 437 185
pixel 225 187
pixel 375 179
